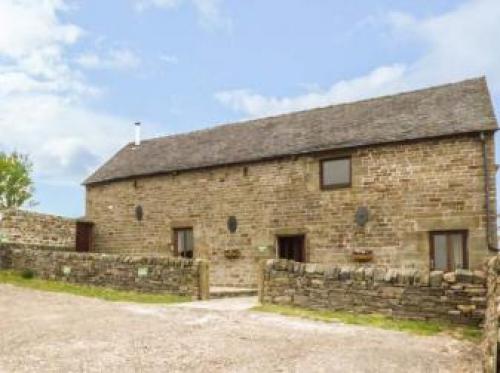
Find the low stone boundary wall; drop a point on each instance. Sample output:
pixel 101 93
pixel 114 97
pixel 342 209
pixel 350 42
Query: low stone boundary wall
pixel 458 296
pixel 491 332
pixel 27 227
pixel 139 273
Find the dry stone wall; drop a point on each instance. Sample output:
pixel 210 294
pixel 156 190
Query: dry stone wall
pixel 458 296
pixel 33 228
pixel 491 340
pixel 138 273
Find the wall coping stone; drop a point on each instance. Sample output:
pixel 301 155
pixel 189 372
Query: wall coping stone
pixel 11 245
pixel 373 275
pixel 139 259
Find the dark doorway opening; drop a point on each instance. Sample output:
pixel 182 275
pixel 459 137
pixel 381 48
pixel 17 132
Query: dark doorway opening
pixel 84 236
pixel 291 248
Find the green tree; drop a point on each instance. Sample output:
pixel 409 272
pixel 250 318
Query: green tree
pixel 16 185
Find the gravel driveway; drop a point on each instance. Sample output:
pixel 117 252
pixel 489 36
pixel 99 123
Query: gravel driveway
pixel 48 332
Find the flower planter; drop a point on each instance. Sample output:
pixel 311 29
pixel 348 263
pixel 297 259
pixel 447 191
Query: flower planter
pixel 362 256
pixel 232 253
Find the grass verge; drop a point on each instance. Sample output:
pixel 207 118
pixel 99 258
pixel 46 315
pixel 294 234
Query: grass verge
pixel 15 278
pixel 427 328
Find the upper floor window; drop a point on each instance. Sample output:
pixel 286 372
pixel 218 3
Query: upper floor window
pixel 448 250
pixel 335 173
pixel 184 242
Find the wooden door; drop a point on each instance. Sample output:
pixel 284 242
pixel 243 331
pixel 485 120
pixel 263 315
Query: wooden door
pixel 291 248
pixel 83 236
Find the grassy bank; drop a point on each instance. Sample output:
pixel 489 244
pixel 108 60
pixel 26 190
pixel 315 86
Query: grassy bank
pixel 15 278
pixel 376 320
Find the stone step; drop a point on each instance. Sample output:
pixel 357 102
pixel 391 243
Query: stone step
pixel 217 292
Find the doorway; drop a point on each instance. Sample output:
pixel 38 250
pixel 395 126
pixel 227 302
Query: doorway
pixel 83 240
pixel 291 248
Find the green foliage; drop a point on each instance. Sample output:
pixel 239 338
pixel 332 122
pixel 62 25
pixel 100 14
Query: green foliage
pixel 379 321
pixel 15 278
pixel 27 274
pixel 16 185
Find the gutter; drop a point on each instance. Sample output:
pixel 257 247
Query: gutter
pixel 491 246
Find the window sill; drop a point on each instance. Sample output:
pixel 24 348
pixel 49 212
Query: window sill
pixel 335 186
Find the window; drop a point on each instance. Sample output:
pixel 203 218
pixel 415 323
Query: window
pixel 184 242
pixel 291 248
pixel 335 173
pixel 448 250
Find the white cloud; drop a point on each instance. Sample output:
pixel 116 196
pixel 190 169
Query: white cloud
pixel 142 5
pixel 43 110
pixel 459 44
pixel 33 25
pixel 210 14
pixel 64 139
pixel 115 59
pixel 382 80
pixel 169 59
pixel 32 40
pixel 209 11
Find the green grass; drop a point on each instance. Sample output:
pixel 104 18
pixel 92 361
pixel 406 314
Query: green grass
pixel 15 278
pixel 379 321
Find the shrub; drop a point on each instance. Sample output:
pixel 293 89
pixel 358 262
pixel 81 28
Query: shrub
pixel 27 273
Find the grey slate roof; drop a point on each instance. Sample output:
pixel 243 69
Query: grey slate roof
pixel 450 109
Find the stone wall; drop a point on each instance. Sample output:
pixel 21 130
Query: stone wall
pixel 33 228
pixel 456 296
pixel 138 273
pixel 491 331
pixel 408 188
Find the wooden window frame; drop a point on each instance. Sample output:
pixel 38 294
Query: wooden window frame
pixel 465 252
pixel 176 247
pixel 304 250
pixel 339 185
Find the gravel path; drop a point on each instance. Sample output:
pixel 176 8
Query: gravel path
pixel 48 332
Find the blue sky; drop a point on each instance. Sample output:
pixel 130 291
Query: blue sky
pixel 75 75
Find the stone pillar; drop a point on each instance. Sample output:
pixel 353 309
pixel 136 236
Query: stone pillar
pixel 203 279
pixel 4 257
pixel 491 331
pixel 260 279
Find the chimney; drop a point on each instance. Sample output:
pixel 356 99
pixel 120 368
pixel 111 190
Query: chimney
pixel 137 133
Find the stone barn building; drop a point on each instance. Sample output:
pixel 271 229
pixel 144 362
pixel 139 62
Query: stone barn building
pixel 399 181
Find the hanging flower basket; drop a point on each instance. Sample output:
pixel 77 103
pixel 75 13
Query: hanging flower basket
pixel 362 255
pixel 232 253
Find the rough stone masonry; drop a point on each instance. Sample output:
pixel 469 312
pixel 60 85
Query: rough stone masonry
pixel 458 296
pixel 416 165
pixel 32 228
pixel 490 345
pixel 146 274
pixel 409 190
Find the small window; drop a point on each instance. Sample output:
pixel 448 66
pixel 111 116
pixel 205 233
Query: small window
pixel 291 248
pixel 184 242
pixel 335 173
pixel 449 250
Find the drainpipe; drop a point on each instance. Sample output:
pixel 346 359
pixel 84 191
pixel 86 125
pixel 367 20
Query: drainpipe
pixel 491 246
